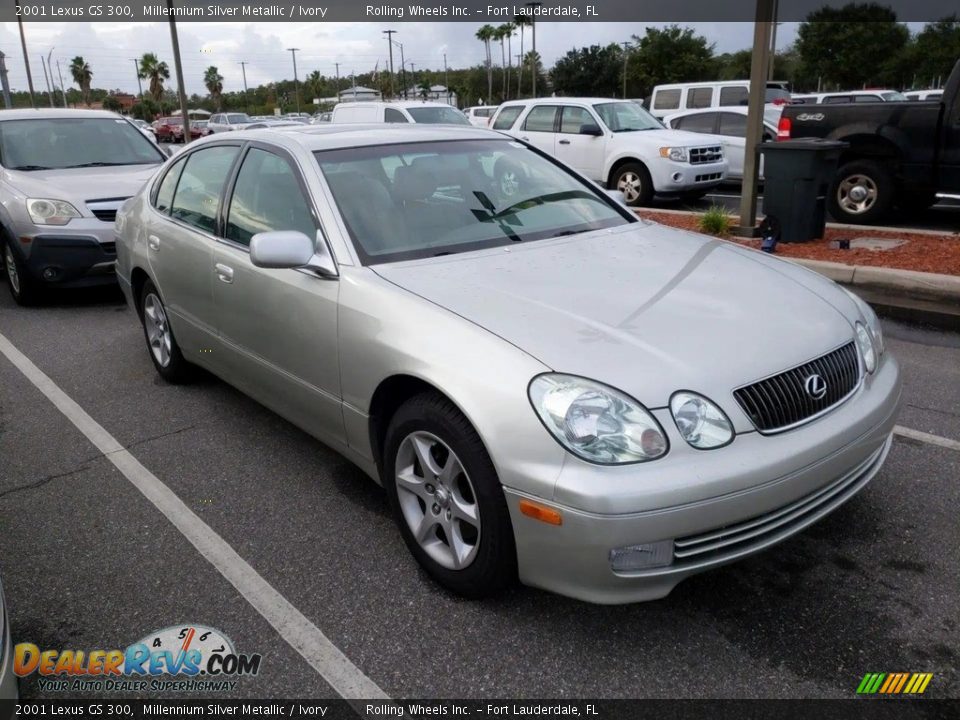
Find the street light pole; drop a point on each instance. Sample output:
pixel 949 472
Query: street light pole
pixel 246 100
pixel 63 90
pixel 337 92
pixel 296 82
pixel 47 80
pixel 626 54
pixel 393 87
pixel 413 77
pixel 139 84
pixel 446 77
pixel 26 60
pixel 178 68
pixel 403 71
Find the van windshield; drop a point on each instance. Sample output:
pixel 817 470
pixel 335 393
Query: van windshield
pixel 626 117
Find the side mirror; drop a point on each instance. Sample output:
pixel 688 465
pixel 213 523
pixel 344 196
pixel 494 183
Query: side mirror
pixel 286 249
pixel 591 129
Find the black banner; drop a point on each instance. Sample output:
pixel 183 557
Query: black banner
pixel 854 709
pixel 472 11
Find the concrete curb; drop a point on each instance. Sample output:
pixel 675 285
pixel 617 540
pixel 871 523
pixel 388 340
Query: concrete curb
pixel 918 285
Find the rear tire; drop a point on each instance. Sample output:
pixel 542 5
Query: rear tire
pixel 24 288
pixel 861 193
pixel 633 180
pixel 161 344
pixel 447 499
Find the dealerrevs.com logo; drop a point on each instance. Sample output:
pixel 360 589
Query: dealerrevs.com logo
pixel 185 657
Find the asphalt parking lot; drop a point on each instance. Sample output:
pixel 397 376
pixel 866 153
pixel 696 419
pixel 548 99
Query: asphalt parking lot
pixel 87 561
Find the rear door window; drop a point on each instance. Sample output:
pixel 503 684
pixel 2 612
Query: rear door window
pixel 541 119
pixel 699 123
pixel 507 117
pixel 667 100
pixel 700 97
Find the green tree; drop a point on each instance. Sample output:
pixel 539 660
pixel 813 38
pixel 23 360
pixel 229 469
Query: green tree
pixel 112 104
pixel 82 76
pixel 593 70
pixel 156 71
pixel 851 46
pixel 521 21
pixel 213 81
pixel 508 30
pixel 485 34
pixel 933 53
pixel 671 54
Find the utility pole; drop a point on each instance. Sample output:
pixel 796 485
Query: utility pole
pixel 51 83
pixel 181 88
pixel 136 64
pixel 533 27
pixel 246 100
pixel 3 81
pixel 26 60
pixel 296 82
pixel 413 78
pixel 446 77
pixel 63 90
pixel 337 93
pixel 47 80
pixel 773 39
pixel 403 71
pixel 393 86
pixel 626 54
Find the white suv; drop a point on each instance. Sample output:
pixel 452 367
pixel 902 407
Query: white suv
pixel 225 122
pixel 398 111
pixel 617 144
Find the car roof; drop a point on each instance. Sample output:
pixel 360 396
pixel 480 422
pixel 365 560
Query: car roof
pixel 331 136
pixel 54 113
pixel 555 100
pixel 392 103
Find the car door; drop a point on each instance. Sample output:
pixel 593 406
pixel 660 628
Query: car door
pixel 584 153
pixel 278 327
pixel 733 129
pixel 181 240
pixel 539 127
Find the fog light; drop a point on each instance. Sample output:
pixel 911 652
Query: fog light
pixel 50 273
pixel 677 176
pixel 641 557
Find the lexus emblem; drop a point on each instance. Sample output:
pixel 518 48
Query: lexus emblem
pixel 815 386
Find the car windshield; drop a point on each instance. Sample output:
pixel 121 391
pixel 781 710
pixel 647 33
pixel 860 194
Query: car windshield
pixel 626 117
pixel 432 115
pixel 238 118
pixel 58 143
pixel 416 200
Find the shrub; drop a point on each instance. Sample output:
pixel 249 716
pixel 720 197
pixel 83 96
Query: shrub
pixel 715 221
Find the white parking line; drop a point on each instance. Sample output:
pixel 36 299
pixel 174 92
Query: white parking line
pixel 292 625
pixel 926 437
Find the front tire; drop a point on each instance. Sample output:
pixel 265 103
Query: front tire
pixel 862 193
pixel 633 180
pixel 447 499
pixel 24 288
pixel 161 344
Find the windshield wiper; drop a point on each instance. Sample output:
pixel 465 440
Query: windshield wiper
pixel 99 164
pixel 31 167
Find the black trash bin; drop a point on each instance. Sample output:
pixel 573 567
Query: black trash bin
pixel 796 179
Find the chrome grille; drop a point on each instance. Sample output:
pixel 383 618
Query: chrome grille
pixel 782 401
pixel 701 155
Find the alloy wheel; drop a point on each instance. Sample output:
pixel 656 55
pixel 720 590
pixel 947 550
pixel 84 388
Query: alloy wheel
pixel 158 330
pixel 11 264
pixel 438 500
pixel 630 185
pixel 856 194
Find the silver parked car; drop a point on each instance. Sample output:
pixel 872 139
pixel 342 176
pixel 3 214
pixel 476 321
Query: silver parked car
pixel 8 680
pixel 63 174
pixel 545 385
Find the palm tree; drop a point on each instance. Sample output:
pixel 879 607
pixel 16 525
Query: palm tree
pixel 82 75
pixel 156 71
pixel 485 34
pixel 214 82
pixel 313 84
pixel 508 30
pixel 500 34
pixel 521 21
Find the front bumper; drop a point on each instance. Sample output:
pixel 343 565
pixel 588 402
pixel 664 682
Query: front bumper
pixel 672 178
pixel 790 487
pixel 80 254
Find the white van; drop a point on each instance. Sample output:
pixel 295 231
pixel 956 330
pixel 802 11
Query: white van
pixel 400 111
pixel 479 116
pixel 670 99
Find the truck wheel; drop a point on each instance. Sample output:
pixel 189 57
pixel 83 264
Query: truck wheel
pixel 23 287
pixel 862 193
pixel 633 180
pixel 447 498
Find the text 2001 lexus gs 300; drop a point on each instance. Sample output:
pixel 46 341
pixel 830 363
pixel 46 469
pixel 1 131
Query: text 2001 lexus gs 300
pixel 546 386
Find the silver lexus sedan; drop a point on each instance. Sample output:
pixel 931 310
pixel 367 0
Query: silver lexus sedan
pixel 546 386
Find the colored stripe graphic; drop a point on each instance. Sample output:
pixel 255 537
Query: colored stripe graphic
pixel 894 683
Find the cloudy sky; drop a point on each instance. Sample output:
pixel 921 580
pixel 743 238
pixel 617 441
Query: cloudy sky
pixel 109 48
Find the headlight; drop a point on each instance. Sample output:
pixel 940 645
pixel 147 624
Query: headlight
pixel 596 422
pixel 674 153
pixel 700 422
pixel 873 322
pixel 51 212
pixel 865 345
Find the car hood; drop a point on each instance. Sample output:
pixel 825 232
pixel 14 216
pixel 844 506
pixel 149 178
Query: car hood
pixel 78 185
pixel 644 308
pixel 670 138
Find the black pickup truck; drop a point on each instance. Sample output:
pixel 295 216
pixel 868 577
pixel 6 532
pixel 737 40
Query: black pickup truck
pixel 901 154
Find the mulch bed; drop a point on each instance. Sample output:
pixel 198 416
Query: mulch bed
pixel 924 253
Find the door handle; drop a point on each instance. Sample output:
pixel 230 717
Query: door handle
pixel 153 242
pixel 564 142
pixel 224 273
